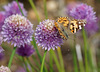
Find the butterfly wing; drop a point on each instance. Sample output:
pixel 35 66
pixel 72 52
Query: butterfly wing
pixel 61 24
pixel 76 25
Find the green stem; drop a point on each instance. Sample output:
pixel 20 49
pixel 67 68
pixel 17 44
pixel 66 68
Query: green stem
pixel 75 60
pixel 43 61
pixel 90 60
pixel 20 8
pixel 85 49
pixel 74 55
pixel 25 62
pixel 81 66
pixel 79 57
pixel 45 9
pixel 35 46
pixel 32 66
pixel 51 62
pixel 56 60
pixel 34 8
pixel 37 63
pixel 11 58
pixel 61 59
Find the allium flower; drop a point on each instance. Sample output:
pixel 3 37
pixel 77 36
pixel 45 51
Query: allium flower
pixel 4 69
pixel 25 50
pixel 2 17
pixel 12 8
pixel 83 11
pixel 18 30
pixel 47 35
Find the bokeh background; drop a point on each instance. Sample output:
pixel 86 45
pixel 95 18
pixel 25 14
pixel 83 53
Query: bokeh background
pixel 57 8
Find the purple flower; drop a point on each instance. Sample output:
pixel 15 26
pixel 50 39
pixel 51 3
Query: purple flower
pixel 25 50
pixel 47 35
pixel 2 17
pixel 70 6
pixel 18 30
pixel 4 69
pixel 12 8
pixel 83 11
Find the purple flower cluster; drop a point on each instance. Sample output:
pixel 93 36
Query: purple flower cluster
pixel 26 50
pixel 70 6
pixel 47 35
pixel 12 8
pixel 83 11
pixel 18 30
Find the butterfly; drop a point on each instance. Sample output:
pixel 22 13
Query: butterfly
pixel 73 25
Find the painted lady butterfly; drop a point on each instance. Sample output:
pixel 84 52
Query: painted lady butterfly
pixel 65 23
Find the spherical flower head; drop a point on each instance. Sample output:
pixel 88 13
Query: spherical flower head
pixel 18 30
pixel 12 8
pixel 83 11
pixel 2 17
pixel 4 69
pixel 25 50
pixel 47 35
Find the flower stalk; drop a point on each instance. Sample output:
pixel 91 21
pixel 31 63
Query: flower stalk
pixel 61 59
pixel 25 62
pixel 56 60
pixel 74 55
pixel 34 8
pixel 45 9
pixel 41 70
pixel 85 49
pixel 11 58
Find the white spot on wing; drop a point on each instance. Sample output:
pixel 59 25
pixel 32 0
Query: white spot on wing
pixel 80 27
pixel 83 24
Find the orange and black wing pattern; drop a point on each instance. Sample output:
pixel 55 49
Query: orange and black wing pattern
pixel 76 25
pixel 64 23
pixel 60 24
